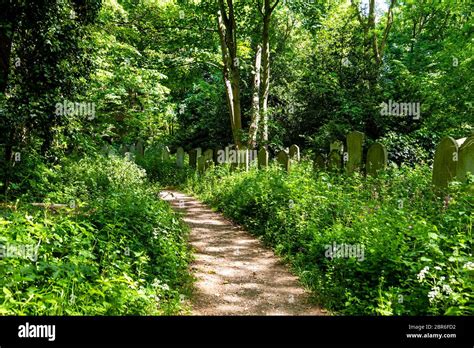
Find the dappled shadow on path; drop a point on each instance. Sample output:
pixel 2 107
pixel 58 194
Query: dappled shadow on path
pixel 236 274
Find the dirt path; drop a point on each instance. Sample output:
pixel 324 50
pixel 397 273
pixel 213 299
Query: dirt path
pixel 236 274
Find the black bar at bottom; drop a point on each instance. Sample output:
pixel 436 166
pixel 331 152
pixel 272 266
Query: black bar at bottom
pixel 225 331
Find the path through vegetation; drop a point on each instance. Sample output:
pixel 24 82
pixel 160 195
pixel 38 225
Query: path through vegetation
pixel 236 274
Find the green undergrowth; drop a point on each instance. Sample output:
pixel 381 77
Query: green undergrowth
pixel 116 249
pixel 414 247
pixel 164 173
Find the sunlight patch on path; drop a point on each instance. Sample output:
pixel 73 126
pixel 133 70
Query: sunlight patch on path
pixel 236 274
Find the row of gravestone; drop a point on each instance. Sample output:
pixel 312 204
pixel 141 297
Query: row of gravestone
pixel 238 157
pixel 137 149
pixel 453 158
pixel 351 159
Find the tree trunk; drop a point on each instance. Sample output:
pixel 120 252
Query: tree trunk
pixel 267 16
pixel 265 72
pixel 255 119
pixel 231 69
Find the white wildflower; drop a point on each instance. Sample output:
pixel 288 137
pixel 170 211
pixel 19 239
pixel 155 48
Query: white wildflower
pixel 469 265
pixel 434 293
pixel 438 268
pixel 422 273
pixel 447 289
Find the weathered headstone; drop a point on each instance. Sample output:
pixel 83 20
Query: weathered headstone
pixel 284 160
pixel 244 160
pixel 193 158
pixel 123 149
pixel 208 164
pixel 262 158
pixel 165 154
pixel 465 163
pixel 198 152
pixel 319 162
pixel 355 141
pixel 334 160
pixel 201 161
pixel 376 159
pixel 140 147
pixel 132 149
pixel 159 151
pixel 180 157
pixel 294 152
pixel 336 145
pixel 445 162
pixel 215 156
pixel 208 154
pixel 234 156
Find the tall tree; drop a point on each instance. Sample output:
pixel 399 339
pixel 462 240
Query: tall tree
pixel 266 13
pixel 227 33
pixel 255 113
pixel 371 40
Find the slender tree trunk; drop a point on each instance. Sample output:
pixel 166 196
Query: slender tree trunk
pixel 268 9
pixel 265 73
pixel 255 119
pixel 231 69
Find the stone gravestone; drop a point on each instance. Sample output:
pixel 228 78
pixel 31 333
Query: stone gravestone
pixel 445 162
pixel 244 159
pixel 319 162
pixel 334 160
pixel 123 149
pixel 180 157
pixel 159 150
pixel 208 164
pixel 132 149
pixel 208 154
pixel 105 149
pixel 355 141
pixel 284 160
pixel 234 157
pixel 262 158
pixel 376 159
pixel 465 162
pixel 201 161
pixel 337 146
pixel 193 158
pixel 165 153
pixel 215 156
pixel 294 152
pixel 140 147
pixel 198 152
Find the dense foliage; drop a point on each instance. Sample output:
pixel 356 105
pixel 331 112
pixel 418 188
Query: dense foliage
pixel 77 75
pixel 417 247
pixel 115 250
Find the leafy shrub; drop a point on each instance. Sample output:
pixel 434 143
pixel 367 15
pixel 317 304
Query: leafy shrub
pixel 165 173
pixel 121 252
pixel 417 246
